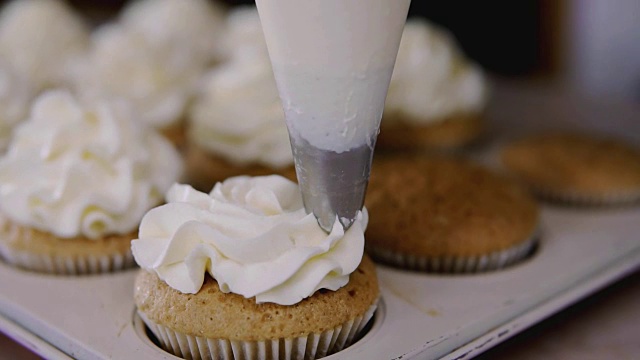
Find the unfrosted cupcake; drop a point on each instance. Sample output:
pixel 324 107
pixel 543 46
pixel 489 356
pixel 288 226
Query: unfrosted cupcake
pixel 436 97
pixel 74 184
pixel 576 168
pixel 245 273
pixel 40 38
pixel 447 215
pixel 237 124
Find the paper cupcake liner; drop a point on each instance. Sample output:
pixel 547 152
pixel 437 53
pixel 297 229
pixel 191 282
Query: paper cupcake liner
pixel 455 264
pixel 312 346
pixel 581 199
pixel 66 265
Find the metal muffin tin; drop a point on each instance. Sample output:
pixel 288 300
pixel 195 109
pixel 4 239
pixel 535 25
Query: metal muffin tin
pixel 422 316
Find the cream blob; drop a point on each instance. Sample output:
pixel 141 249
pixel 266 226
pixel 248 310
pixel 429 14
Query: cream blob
pixel 238 115
pixel 432 80
pixel 89 170
pixel 253 236
pixel 40 38
pixel 195 24
pixel 16 94
pixel 158 79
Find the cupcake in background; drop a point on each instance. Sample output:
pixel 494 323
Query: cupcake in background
pixel 16 94
pixel 237 124
pixel 576 168
pixel 40 39
pixel 269 279
pixel 75 182
pixel 446 215
pixel 197 25
pixel 159 80
pixel 154 55
pixel 436 97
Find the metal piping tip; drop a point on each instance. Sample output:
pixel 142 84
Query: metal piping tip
pixel 333 184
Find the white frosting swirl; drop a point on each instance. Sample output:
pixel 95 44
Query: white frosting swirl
pixel 195 24
pixel 75 170
pixel 15 96
pixel 238 115
pixel 431 79
pixel 243 37
pixel 250 234
pixel 39 38
pixel 159 80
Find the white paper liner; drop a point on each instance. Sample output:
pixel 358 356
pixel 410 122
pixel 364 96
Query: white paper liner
pixel 455 264
pixel 312 346
pixel 582 199
pixel 66 265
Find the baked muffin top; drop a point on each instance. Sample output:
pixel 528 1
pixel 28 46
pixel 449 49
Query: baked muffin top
pixel 567 163
pixel 436 206
pixel 213 314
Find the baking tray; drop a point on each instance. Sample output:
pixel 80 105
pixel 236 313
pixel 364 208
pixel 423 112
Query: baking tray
pixel 421 316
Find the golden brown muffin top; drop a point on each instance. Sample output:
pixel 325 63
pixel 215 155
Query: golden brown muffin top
pixel 440 206
pixel 574 163
pixel 35 241
pixel 216 315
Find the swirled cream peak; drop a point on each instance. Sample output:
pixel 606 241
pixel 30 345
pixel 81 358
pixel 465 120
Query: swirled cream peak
pixel 243 36
pixel 39 38
pixel 432 79
pixel 238 115
pixel 196 25
pixel 88 170
pixel 158 79
pixel 15 97
pixel 253 236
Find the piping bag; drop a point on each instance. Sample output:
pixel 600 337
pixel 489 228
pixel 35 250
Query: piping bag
pixel 332 61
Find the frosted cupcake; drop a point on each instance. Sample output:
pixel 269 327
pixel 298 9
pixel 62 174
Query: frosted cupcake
pixel 15 96
pixel 575 168
pixel 436 97
pixel 447 216
pixel 40 38
pixel 237 122
pixel 245 273
pixel 158 79
pixel 194 25
pixel 74 184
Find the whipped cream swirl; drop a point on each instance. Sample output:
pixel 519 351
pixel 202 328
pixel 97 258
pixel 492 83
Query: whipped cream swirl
pixel 158 79
pixel 84 170
pixel 196 25
pixel 15 96
pixel 40 38
pixel 238 115
pixel 250 234
pixel 432 79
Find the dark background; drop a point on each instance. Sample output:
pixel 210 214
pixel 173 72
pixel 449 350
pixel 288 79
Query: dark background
pixel 507 37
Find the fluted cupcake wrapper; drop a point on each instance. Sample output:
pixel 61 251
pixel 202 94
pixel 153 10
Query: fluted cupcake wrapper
pixel 67 265
pixel 312 346
pixel 455 264
pixel 581 199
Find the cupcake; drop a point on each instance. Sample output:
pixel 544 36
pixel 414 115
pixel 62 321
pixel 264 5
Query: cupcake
pixel 245 273
pixel 436 97
pixel 74 184
pixel 40 39
pixel 447 215
pixel 237 124
pixel 195 25
pixel 573 168
pixel 151 61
